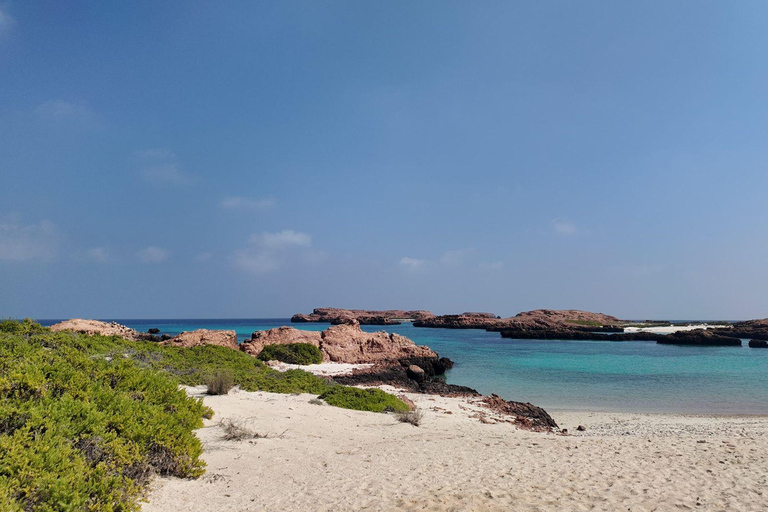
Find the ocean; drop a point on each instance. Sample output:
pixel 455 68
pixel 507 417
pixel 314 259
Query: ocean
pixel 634 376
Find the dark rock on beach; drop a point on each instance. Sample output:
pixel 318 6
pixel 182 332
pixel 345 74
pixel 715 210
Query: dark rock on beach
pixel 528 416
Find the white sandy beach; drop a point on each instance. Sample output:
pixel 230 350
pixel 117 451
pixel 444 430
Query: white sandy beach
pixel 318 457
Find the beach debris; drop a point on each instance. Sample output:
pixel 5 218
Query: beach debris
pixel 581 428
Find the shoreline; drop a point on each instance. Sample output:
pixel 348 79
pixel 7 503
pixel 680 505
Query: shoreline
pixel 317 457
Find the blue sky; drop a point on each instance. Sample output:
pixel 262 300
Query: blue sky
pixel 255 159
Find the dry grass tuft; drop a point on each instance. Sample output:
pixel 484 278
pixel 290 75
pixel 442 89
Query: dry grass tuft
pixel 413 417
pixel 219 383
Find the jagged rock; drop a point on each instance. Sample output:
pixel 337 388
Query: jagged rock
pixel 153 330
pixel 397 375
pixel 461 321
pixel 92 327
pixel 537 320
pixel 527 416
pixel 190 339
pixel 347 343
pixel 571 334
pixel 750 329
pixel 366 317
pixel 758 343
pixel 279 336
pixel 700 337
pixel 416 373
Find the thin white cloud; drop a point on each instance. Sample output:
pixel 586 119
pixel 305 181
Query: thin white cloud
pixel 564 227
pixel 268 252
pixel 245 203
pixel 412 263
pixel 153 254
pixel 27 242
pixel 205 256
pixel 162 166
pixel 98 254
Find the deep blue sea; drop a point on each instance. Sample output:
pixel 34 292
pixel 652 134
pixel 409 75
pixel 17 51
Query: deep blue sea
pixel 632 376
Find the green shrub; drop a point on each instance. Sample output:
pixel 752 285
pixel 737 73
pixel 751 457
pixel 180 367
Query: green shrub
pixel 220 383
pixel 26 326
pixel 84 433
pixel 373 399
pixel 292 353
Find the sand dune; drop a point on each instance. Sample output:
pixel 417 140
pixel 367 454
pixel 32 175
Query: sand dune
pixel 318 457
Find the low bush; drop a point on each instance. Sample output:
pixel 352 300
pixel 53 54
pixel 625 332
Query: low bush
pixel 235 430
pixel 373 399
pixel 412 417
pixel 292 353
pixel 85 433
pixel 219 383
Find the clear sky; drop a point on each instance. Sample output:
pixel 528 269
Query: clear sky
pixel 255 159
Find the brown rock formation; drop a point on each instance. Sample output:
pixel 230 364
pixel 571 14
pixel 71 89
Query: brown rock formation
pixel 366 317
pixel 344 343
pixel 347 343
pixel 527 416
pixel 190 339
pixel 279 336
pixel 537 320
pixel 92 327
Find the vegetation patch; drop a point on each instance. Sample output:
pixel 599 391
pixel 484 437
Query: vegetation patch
pixel 413 417
pixel 87 421
pixel 219 383
pixel 84 433
pixel 292 353
pixel 373 399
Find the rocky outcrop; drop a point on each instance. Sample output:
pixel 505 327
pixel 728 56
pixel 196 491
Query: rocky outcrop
pixel 279 336
pixel 537 320
pixel 402 376
pixel 347 343
pixel 199 337
pixel 363 316
pixel 750 329
pixel 698 337
pixel 92 327
pixel 461 321
pixel 758 344
pixel 572 334
pixel 527 415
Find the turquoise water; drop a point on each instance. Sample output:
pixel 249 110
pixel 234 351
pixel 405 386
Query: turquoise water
pixel 571 375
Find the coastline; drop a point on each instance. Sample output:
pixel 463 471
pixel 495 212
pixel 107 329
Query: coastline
pixel 317 457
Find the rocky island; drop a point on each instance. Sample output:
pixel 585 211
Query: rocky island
pixel 363 316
